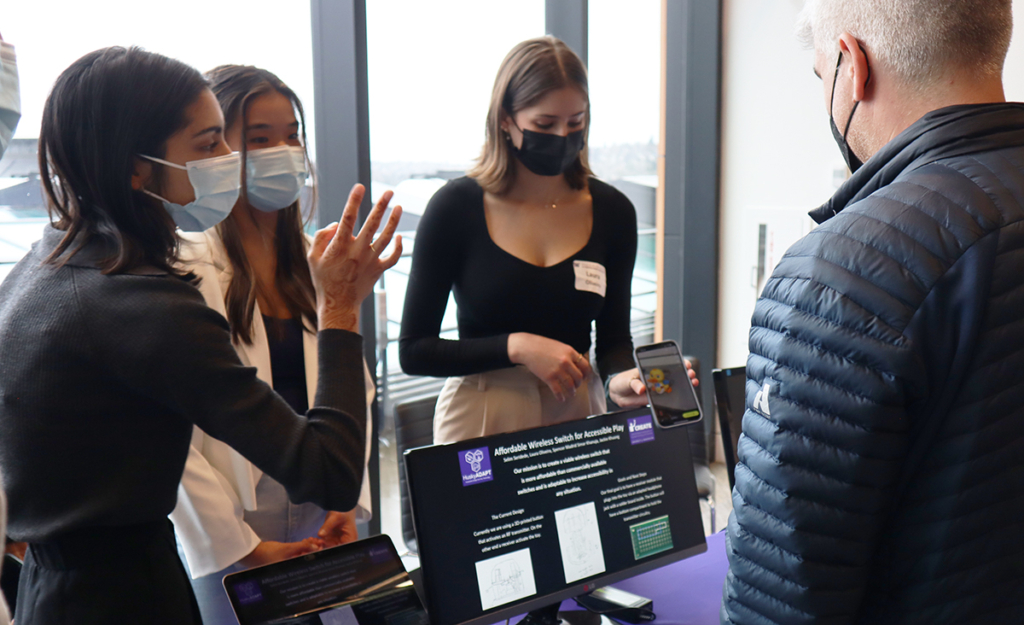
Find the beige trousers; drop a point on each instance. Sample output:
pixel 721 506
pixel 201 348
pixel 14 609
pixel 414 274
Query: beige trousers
pixel 507 400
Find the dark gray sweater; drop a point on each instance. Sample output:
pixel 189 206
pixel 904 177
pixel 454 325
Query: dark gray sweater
pixel 102 377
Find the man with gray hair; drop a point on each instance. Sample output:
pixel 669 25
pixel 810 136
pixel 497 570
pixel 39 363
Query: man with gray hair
pixel 881 474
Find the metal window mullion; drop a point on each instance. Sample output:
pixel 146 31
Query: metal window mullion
pixel 690 181
pixel 341 108
pixel 568 20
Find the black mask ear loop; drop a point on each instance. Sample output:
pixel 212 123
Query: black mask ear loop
pixel 853 161
pixel 832 101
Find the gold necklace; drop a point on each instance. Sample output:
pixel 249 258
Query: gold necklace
pixel 544 205
pixel 554 203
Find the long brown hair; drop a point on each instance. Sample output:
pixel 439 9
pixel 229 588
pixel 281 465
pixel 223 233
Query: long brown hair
pixel 531 70
pixel 236 86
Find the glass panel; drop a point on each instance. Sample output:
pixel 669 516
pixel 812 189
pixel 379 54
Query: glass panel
pixel 271 34
pixel 625 92
pixel 430 78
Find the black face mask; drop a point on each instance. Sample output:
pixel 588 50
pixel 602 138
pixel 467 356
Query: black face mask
pixel 547 154
pixel 852 161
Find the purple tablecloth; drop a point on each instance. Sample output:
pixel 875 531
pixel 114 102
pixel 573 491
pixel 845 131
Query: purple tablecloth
pixel 688 592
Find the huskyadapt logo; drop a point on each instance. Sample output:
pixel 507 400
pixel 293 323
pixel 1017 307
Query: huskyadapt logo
pixel 248 592
pixel 641 430
pixel 379 554
pixel 476 466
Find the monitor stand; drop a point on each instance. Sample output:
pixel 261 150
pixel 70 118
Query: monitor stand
pixel 549 615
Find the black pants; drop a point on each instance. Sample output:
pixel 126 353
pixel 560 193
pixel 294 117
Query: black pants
pixel 128 574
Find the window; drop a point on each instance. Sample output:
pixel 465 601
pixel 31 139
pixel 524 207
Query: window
pixel 267 33
pixel 625 91
pixel 427 116
pixel 431 68
pixel 430 78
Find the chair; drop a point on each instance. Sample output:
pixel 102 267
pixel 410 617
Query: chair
pixel 699 450
pixel 730 397
pixel 414 427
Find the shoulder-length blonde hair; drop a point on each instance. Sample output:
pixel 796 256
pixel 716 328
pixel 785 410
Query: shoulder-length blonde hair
pixel 531 70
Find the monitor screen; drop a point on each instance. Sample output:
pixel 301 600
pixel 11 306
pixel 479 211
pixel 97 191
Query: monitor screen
pixel 361 583
pixel 513 522
pixel 730 395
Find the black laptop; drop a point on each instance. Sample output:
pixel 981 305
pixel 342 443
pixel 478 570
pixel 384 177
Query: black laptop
pixel 361 583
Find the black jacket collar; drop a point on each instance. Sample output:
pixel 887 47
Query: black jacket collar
pixel 943 133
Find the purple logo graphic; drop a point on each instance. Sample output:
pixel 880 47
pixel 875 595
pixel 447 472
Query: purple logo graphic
pixel 380 554
pixel 476 466
pixel 641 430
pixel 248 592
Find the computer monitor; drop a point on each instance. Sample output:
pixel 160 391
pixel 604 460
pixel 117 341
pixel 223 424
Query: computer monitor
pixel 514 522
pixel 730 396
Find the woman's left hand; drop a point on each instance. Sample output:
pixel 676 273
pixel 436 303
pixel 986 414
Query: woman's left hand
pixel 338 529
pixel 627 390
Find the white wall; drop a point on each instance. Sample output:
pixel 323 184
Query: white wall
pixel 777 150
pixel 1013 73
pixel 778 155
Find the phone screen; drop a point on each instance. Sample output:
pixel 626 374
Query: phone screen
pixel 672 398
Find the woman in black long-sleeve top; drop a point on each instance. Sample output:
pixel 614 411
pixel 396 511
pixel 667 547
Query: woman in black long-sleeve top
pixel 535 251
pixel 108 355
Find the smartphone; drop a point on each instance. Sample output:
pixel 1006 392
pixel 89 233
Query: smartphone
pixel 669 390
pixel 618 604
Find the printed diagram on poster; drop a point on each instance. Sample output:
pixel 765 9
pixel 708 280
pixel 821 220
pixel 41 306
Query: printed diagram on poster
pixel 579 539
pixel 505 578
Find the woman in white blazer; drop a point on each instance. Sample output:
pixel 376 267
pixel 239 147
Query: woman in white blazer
pixel 252 269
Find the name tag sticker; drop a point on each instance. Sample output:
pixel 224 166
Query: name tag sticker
pixel 590 277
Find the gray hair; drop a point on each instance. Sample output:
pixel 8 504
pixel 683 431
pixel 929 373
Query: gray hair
pixel 918 40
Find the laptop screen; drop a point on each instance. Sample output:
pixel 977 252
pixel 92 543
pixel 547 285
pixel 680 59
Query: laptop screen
pixel 513 522
pixel 361 583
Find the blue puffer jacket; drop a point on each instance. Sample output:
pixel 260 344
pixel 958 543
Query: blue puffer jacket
pixel 881 474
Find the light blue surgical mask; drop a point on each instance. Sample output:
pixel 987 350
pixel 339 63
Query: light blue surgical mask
pixel 274 177
pixel 10 95
pixel 217 184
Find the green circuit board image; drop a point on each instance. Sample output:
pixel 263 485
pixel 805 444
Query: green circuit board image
pixel 651 537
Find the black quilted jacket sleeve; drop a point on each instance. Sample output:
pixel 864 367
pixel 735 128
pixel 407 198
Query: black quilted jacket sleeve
pixel 859 348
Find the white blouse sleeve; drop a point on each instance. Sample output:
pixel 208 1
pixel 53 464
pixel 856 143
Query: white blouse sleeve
pixel 209 518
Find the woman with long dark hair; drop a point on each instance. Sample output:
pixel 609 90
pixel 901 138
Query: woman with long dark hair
pixel 535 250
pixel 253 270
pixel 109 355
